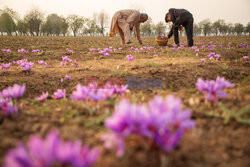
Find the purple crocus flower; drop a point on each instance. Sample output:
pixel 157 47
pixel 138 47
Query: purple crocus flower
pixel 163 121
pixel 7 107
pixel 217 56
pixel 22 51
pixel 6 50
pixel 41 62
pixel 75 63
pixel 6 66
pixel 35 51
pixel 27 66
pixel 43 97
pixel 213 89
pixel 155 55
pixel 203 60
pixel 66 59
pixel 130 58
pixel 92 50
pixel 211 55
pixel 81 93
pixel 16 91
pixel 59 94
pixel 70 51
pixel 49 152
pixel 245 57
pixel 67 77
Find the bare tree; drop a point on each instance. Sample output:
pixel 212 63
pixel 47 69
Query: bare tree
pixel 101 20
pixel 160 28
pixel 75 23
pixel 34 19
pixel 206 26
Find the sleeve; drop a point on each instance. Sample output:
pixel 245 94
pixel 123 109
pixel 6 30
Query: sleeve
pixel 138 32
pixel 171 32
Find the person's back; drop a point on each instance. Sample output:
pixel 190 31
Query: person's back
pixel 180 17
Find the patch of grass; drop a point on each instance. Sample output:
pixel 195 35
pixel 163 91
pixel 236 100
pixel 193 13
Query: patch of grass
pixel 151 64
pixel 225 68
pixel 241 116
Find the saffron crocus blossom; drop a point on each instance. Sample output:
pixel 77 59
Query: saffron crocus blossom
pixel 43 97
pixel 22 51
pixel 81 93
pixel 66 59
pixel 7 107
pixel 6 50
pixel 130 58
pixel 217 56
pixel 6 95
pixel 35 51
pixel 245 57
pixel 242 45
pixel 27 66
pixel 51 151
pixel 162 120
pixel 203 60
pixel 75 63
pixel 91 92
pixel 67 77
pixel 155 55
pixel 41 62
pixel 213 89
pixel 6 66
pixel 59 94
pixel 92 50
pixel 70 51
pixel 16 91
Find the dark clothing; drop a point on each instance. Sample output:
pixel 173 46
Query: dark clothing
pixel 184 18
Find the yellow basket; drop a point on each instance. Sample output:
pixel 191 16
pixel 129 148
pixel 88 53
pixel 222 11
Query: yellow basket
pixel 161 41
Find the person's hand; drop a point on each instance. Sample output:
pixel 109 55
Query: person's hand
pixel 180 27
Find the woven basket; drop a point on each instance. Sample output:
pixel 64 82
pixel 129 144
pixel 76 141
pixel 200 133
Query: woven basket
pixel 161 41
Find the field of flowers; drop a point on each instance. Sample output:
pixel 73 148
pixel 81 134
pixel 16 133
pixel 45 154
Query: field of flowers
pixel 88 101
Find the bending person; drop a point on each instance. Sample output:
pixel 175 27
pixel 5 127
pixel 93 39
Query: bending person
pixel 179 18
pixel 123 21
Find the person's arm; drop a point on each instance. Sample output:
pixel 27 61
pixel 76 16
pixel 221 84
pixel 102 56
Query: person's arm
pixel 175 26
pixel 171 32
pixel 138 33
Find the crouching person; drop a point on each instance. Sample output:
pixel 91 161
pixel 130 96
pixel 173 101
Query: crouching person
pixel 124 21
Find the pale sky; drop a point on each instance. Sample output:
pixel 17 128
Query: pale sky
pixel 233 11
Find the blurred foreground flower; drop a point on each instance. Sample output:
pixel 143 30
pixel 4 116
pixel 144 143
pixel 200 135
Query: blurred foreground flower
pixel 162 121
pixel 51 151
pixel 10 95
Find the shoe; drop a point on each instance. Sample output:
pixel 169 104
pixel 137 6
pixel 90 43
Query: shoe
pixel 129 42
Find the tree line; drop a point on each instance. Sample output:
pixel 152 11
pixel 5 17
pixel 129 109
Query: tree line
pixel 34 23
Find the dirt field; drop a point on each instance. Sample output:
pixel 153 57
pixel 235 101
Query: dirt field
pixel 220 138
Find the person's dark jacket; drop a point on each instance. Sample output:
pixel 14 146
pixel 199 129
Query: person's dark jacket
pixel 176 18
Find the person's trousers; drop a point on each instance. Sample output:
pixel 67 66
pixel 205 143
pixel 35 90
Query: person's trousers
pixel 187 20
